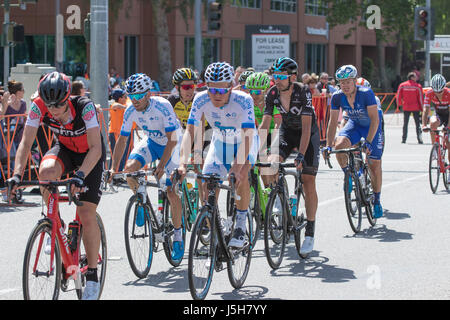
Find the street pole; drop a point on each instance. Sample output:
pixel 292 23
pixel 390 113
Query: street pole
pixel 59 37
pixel 198 35
pixel 99 57
pixel 427 49
pixel 6 43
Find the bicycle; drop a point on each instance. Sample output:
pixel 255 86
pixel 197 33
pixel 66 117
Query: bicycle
pixel 204 258
pixel 278 226
pixel 143 234
pixel 189 201
pixel 361 194
pixel 437 163
pixel 66 259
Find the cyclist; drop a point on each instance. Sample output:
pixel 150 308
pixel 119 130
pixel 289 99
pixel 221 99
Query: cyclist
pixel 439 96
pixel 364 122
pixel 155 116
pixel 78 148
pixel 299 131
pixel 257 84
pixel 242 78
pixel 234 144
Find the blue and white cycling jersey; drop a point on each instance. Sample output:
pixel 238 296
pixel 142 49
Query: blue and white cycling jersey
pixel 226 121
pixel 359 115
pixel 156 121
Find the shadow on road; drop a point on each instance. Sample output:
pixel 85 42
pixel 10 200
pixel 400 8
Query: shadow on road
pixel 383 234
pixel 244 293
pixel 395 215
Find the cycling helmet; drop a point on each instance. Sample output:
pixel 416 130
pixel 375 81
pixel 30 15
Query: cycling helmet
pixel 346 72
pixel 438 83
pixel 363 82
pixel 219 72
pixel 54 88
pixel 244 75
pixel 284 64
pixel 258 80
pixel 138 83
pixel 184 74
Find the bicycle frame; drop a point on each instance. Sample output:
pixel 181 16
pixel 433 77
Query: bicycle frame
pixel 441 140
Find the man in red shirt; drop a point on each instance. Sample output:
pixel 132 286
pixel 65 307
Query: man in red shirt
pixel 410 96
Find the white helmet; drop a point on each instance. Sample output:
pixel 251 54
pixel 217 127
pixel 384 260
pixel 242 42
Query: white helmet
pixel 219 72
pixel 346 72
pixel 138 83
pixel 363 82
pixel 438 83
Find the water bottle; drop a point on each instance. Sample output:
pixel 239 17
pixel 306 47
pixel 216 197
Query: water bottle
pixel 159 214
pixel 72 235
pixel 293 204
pixel 362 180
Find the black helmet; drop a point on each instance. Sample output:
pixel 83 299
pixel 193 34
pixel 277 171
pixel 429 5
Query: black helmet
pixel 54 88
pixel 184 74
pixel 284 64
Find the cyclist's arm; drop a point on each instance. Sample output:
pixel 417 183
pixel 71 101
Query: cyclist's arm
pixel 374 122
pixel 306 134
pixel 118 152
pixel 28 136
pixel 332 125
pixel 263 129
pixel 186 144
pixel 426 111
pixel 94 154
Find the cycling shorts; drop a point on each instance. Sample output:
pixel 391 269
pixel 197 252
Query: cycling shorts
pixel 443 122
pixel 71 161
pixel 147 151
pixel 355 132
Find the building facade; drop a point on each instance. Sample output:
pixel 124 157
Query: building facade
pixel 133 40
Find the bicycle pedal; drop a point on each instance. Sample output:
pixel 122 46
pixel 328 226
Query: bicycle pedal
pixel 159 237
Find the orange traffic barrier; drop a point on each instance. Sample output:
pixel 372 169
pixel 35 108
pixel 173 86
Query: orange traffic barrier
pixel 322 109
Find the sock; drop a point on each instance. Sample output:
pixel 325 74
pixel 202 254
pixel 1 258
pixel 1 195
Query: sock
pixel 91 274
pixel 345 169
pixel 376 199
pixel 309 229
pixel 241 218
pixel 178 234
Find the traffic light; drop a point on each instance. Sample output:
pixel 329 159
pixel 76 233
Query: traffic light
pixel 87 28
pixel 214 15
pixel 424 23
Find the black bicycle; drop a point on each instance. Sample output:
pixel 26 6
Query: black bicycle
pixel 207 256
pixel 358 189
pixel 285 215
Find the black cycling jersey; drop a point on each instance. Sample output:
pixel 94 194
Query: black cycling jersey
pixel 300 105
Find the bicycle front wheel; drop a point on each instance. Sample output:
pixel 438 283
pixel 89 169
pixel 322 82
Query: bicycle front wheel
pixel 202 256
pixel 138 237
pixel 299 219
pixel 169 232
pixel 433 168
pixel 239 264
pixel 447 170
pixel 353 201
pixel 275 229
pixel 369 197
pixel 40 280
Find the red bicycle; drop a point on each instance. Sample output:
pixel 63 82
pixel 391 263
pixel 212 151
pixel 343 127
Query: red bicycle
pixel 438 159
pixel 48 268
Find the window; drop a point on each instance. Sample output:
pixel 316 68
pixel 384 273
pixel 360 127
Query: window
pixel 254 4
pixel 237 52
pixel 131 55
pixel 316 7
pixel 210 51
pixel 283 5
pixel 315 58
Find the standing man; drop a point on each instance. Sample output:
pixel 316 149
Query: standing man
pixel 323 83
pixel 410 96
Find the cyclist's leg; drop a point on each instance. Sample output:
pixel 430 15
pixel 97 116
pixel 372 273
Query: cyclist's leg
pixel 434 124
pixel 139 157
pixel 347 137
pixel 173 197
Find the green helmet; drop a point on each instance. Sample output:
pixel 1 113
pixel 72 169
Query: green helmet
pixel 258 80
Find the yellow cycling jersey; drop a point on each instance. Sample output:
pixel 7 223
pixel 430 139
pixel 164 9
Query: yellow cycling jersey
pixel 181 110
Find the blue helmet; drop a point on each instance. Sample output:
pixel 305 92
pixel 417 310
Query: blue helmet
pixel 219 72
pixel 346 72
pixel 284 64
pixel 138 83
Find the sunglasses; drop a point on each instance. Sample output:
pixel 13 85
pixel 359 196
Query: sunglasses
pixel 256 92
pixel 137 96
pixel 280 76
pixel 187 86
pixel 56 106
pixel 218 90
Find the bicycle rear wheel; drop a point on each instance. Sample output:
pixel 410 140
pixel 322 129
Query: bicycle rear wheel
pixel 299 219
pixel 353 201
pixel 38 281
pixel 447 170
pixel 241 257
pixel 275 229
pixel 255 209
pixel 169 232
pixel 433 168
pixel 369 197
pixel 101 262
pixel 138 238
pixel 202 257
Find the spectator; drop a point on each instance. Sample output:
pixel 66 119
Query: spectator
pixel 312 84
pixel 201 86
pixel 448 84
pixel 323 84
pixel 333 86
pixel 237 74
pixel 12 102
pixel 78 88
pixel 305 78
pixel 410 96
pixel 117 109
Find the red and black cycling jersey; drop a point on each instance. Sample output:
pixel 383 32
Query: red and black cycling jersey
pixel 441 106
pixel 300 105
pixel 73 134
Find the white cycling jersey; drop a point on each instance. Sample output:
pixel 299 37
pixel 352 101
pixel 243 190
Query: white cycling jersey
pixel 156 121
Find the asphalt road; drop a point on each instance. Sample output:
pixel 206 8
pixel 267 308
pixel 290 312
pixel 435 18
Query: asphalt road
pixel 405 256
